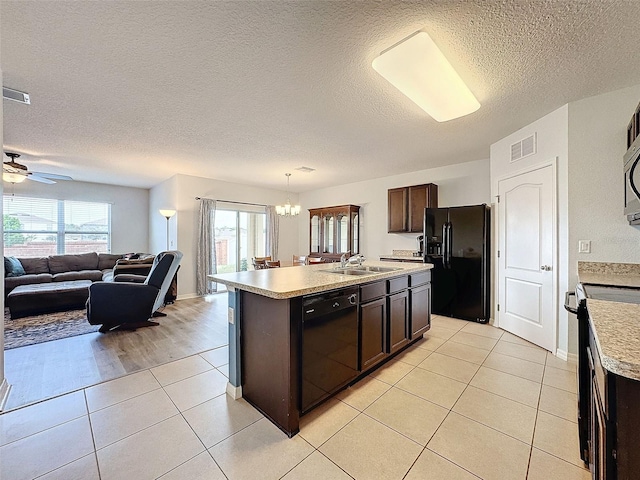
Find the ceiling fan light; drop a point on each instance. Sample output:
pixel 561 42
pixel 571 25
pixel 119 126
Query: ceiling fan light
pixel 417 68
pixel 13 177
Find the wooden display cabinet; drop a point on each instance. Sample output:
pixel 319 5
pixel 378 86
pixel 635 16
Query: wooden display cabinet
pixel 334 231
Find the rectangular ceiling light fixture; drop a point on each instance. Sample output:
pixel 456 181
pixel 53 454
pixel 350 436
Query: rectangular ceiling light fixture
pixel 417 68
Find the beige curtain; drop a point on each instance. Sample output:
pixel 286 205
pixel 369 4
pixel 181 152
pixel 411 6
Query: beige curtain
pixel 273 228
pixel 206 253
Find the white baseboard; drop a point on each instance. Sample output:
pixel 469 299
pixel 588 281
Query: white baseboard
pixel 187 296
pixel 234 392
pixel 572 357
pixel 5 388
pixel 562 354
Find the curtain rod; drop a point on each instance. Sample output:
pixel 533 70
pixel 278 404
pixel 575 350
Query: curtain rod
pixel 231 201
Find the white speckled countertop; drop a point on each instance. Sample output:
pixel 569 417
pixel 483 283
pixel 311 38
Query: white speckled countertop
pixel 616 324
pixel 617 328
pixel 401 255
pixel 289 282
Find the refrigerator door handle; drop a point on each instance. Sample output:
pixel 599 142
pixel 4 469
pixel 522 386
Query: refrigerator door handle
pixel 449 242
pixel 444 244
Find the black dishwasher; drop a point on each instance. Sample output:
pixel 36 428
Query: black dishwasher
pixel 329 344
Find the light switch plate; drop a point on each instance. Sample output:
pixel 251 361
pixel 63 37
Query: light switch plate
pixel 584 246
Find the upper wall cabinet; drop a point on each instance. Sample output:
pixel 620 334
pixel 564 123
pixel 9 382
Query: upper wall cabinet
pixel 406 207
pixel 334 231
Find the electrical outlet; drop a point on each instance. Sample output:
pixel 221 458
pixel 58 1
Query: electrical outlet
pixel 584 246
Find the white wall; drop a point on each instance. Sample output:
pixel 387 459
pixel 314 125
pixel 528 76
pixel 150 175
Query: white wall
pixel 552 142
pixel 460 184
pixel 129 208
pixel 4 385
pixel 179 193
pixel 597 142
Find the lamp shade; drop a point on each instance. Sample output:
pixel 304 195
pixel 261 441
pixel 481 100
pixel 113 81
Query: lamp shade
pixel 13 177
pixel 417 68
pixel 167 213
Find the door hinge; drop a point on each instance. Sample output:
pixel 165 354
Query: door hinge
pixel 498 197
pixel 498 307
pixel 498 253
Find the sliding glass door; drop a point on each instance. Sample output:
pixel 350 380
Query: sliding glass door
pixel 240 235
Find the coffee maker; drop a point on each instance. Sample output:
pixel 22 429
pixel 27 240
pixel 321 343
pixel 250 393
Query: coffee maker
pixel 420 242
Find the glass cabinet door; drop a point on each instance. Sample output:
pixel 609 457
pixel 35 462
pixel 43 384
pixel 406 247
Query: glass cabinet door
pixel 315 234
pixel 329 227
pixel 343 233
pixel 355 235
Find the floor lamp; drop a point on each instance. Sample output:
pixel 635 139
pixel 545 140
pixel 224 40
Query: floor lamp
pixel 167 214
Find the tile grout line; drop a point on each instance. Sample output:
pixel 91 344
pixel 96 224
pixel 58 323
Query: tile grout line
pixel 93 438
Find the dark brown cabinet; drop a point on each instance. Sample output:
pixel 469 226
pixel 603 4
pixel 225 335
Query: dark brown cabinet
pixel 373 327
pixel 398 329
pixel 419 306
pixel 334 231
pixel 613 417
pixel 406 207
pixel 391 315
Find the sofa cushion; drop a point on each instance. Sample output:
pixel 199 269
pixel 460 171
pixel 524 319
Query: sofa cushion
pixel 93 275
pixel 107 260
pixel 13 267
pixel 12 282
pixel 35 265
pixel 73 263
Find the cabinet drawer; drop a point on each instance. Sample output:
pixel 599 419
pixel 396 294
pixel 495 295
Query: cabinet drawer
pixel 397 284
pixel 421 278
pixel 372 291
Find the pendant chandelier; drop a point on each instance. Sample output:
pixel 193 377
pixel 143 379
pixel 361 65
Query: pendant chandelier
pixel 288 210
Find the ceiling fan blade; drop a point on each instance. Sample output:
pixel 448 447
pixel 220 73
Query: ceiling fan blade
pixel 53 176
pixel 36 178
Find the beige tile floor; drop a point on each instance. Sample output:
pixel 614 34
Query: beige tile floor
pixel 469 401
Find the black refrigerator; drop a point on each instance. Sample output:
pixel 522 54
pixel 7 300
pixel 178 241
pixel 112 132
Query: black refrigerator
pixel 457 244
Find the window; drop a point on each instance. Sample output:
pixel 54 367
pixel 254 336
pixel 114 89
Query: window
pixel 37 227
pixel 240 236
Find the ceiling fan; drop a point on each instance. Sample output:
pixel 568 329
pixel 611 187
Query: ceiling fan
pixel 15 172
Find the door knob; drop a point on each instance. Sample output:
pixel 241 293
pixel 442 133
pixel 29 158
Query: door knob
pixel 546 268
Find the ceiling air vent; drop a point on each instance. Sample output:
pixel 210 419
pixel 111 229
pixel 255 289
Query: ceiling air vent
pixel 15 95
pixel 525 147
pixel 306 169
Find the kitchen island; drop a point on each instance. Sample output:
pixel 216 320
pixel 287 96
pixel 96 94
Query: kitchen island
pixel 609 367
pixel 297 335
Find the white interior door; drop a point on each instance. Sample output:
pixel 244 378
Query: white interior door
pixel 527 256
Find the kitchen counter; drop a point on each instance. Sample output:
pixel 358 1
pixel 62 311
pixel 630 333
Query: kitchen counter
pixel 401 256
pixel 290 282
pixel 616 325
pixel 280 359
pixel 617 334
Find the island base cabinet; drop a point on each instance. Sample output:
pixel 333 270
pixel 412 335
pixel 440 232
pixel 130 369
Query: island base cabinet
pixel 373 321
pixel 270 330
pixel 419 306
pixel 398 328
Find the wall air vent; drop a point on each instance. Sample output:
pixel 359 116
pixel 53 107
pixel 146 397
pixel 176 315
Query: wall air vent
pixel 16 96
pixel 525 147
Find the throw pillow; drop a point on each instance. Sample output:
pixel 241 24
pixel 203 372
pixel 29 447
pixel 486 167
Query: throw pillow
pixel 13 267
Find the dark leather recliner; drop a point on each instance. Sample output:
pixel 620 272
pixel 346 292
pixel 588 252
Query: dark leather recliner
pixel 126 304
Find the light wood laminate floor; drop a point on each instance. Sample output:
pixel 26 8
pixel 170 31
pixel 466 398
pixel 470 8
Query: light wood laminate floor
pixel 42 371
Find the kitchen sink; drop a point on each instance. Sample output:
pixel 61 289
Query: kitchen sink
pixel 361 270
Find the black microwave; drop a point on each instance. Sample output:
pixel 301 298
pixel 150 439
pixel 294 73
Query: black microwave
pixel 631 162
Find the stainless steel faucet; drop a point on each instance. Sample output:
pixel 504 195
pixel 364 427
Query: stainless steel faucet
pixel 355 259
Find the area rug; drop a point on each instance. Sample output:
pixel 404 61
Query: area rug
pixel 44 328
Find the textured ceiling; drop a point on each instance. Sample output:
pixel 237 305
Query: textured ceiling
pixel 133 92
